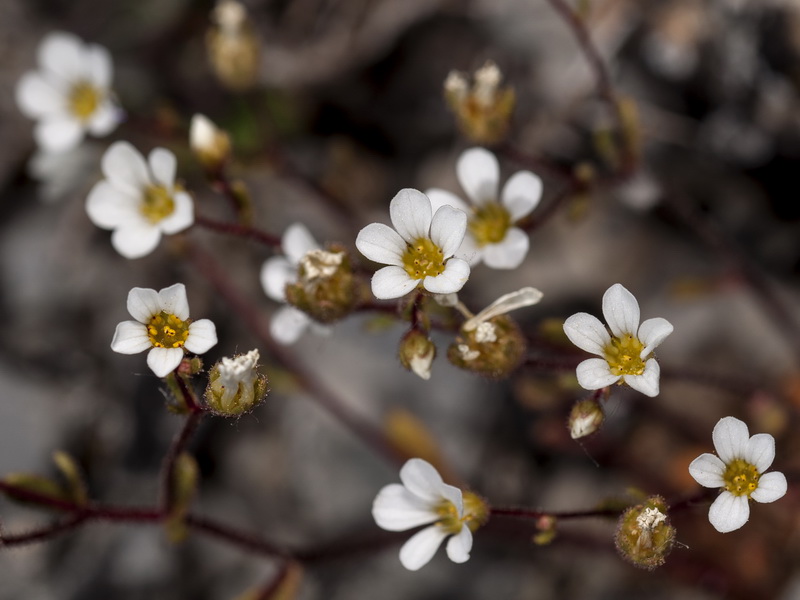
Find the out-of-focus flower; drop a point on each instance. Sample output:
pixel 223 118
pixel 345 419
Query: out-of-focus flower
pixel 491 234
pixel 163 327
pixel 627 353
pixel 419 250
pixel 483 110
pixel 139 200
pixel 739 471
pixel 424 498
pixel 233 46
pixel 70 93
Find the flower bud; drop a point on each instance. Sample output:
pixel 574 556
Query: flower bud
pixel 325 288
pixel 493 348
pixel 235 386
pixel 210 144
pixel 233 46
pixel 417 352
pixel 585 418
pixel 644 536
pixel 483 111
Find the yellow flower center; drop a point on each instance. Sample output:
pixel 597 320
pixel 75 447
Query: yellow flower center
pixel 476 513
pixel 165 330
pixel 622 355
pixel 489 223
pixel 157 203
pixel 83 100
pixel 423 259
pixel 741 478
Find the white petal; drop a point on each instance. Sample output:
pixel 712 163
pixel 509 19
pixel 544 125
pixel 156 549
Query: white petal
pixel 108 207
pixel 422 479
pixel 382 244
pixel 647 382
pixel 771 486
pixel 760 451
pixel 651 333
pixel 130 337
pixel 410 212
pixel 143 304
pixel 479 174
pixel 397 509
pixel 469 250
pixel 448 228
pixel 98 65
pixel 297 241
pixel 439 198
pixel 452 279
pixel 202 336
pixel 182 215
pixel 125 168
pixel 707 470
pixel 288 324
pixel 587 333
pixel 459 546
pixel 509 253
pixel 163 165
pixel 136 241
pixel 729 512
pixel 58 133
pixel 594 374
pixel 392 282
pixel 521 194
pixel 730 437
pixel 62 54
pixel 173 300
pixel 162 361
pixel 420 548
pixel 104 119
pixel 621 310
pixel 275 274
pixel 37 97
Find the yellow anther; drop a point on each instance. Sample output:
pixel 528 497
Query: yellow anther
pixel 423 259
pixel 741 477
pixel 489 223
pixel 623 355
pixel 83 100
pixel 162 335
pixel 157 203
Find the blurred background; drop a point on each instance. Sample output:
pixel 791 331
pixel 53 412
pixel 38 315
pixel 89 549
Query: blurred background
pixel 345 109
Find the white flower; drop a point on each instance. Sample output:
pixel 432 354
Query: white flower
pixel 162 326
pixel 69 94
pixel 138 200
pixel 627 353
pixel 288 323
pixel 491 235
pixel 422 499
pixel 419 250
pixel 739 471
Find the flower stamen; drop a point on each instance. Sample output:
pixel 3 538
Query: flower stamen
pixel 489 223
pixel 741 477
pixel 83 100
pixel 623 355
pixel 423 259
pixel 157 203
pixel 165 330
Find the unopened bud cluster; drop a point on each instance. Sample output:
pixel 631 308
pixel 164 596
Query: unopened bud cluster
pixel 644 536
pixel 493 348
pixel 483 110
pixel 325 288
pixel 235 386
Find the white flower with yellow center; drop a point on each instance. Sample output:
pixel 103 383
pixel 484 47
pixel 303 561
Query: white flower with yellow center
pixel 424 498
pixel 162 326
pixel 69 94
pixel 419 250
pixel 491 234
pixel 739 471
pixel 289 323
pixel 627 353
pixel 138 200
